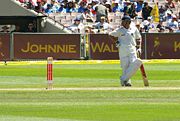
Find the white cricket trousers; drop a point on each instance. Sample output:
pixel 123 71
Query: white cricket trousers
pixel 129 64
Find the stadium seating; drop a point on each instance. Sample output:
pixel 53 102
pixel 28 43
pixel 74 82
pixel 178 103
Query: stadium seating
pixel 114 18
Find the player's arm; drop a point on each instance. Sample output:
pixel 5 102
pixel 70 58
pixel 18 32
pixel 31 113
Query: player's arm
pixel 138 47
pixel 138 42
pixel 114 35
pixel 114 39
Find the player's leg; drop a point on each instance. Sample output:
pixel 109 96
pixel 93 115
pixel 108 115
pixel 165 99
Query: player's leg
pixel 135 63
pixel 124 66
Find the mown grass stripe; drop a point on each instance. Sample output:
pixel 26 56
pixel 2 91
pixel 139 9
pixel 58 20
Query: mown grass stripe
pixel 93 89
pixel 87 62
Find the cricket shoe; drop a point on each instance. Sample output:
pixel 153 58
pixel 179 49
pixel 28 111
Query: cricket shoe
pixel 122 82
pixel 127 84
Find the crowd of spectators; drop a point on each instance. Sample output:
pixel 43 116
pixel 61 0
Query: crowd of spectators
pixel 30 27
pixel 97 12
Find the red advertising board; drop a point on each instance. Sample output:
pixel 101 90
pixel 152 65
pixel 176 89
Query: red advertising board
pixel 102 48
pixel 41 46
pixel 4 46
pixel 163 46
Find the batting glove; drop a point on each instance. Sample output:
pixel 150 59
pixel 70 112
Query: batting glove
pixel 139 51
pixel 117 44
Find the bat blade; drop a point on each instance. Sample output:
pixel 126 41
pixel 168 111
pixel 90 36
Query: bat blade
pixel 144 76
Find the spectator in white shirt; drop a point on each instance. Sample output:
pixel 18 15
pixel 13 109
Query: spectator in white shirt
pixel 102 26
pixel 77 26
pixel 173 23
pixel 178 30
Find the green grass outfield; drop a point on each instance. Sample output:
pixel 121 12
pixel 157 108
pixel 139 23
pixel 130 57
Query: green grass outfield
pixel 88 91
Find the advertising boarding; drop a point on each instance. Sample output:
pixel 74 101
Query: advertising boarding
pixel 4 46
pixel 41 46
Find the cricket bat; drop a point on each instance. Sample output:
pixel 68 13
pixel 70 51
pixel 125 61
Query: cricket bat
pixel 144 76
pixel 143 73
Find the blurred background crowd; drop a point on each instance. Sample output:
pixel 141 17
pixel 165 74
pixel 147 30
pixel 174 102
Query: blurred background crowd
pixel 102 16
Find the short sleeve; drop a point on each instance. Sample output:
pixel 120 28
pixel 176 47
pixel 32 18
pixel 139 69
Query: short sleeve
pixel 116 33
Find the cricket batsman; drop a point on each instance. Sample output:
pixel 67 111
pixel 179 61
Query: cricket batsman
pixel 126 37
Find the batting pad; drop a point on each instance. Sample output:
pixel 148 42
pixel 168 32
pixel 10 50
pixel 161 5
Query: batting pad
pixel 132 69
